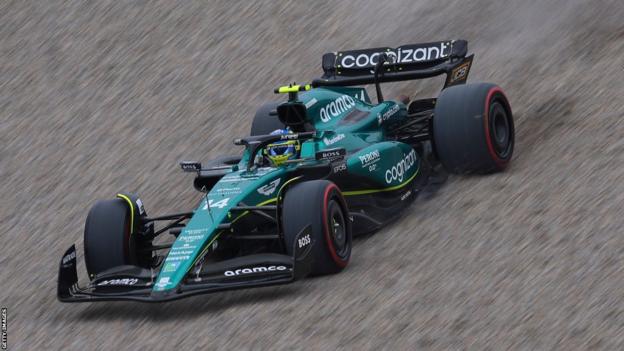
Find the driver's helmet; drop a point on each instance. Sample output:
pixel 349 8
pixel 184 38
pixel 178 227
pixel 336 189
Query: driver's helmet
pixel 281 151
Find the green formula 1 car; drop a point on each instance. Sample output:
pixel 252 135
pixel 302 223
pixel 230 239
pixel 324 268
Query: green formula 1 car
pixel 319 168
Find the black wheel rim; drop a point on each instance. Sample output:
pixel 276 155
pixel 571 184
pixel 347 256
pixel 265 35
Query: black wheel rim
pixel 501 132
pixel 337 229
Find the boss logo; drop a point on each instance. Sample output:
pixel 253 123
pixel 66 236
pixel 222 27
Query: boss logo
pixel 330 154
pixel 304 241
pixel 69 257
pixel 190 166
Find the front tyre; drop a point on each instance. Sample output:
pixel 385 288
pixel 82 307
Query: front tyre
pixel 473 129
pixel 107 237
pixel 319 205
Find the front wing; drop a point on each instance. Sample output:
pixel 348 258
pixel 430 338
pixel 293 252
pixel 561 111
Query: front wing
pixel 136 283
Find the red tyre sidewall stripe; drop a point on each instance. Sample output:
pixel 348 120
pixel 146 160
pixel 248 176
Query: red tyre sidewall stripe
pixel 499 161
pixel 330 244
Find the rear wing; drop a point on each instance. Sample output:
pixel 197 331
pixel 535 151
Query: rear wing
pixel 406 62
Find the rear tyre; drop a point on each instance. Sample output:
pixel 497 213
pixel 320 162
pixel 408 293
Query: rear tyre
pixel 319 205
pixel 263 122
pixel 473 129
pixel 107 240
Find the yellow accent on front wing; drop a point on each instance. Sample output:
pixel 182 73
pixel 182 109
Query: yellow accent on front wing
pixel 203 252
pixel 122 196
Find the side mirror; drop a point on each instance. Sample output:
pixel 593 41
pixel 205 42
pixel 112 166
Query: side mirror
pixel 190 166
pixel 329 65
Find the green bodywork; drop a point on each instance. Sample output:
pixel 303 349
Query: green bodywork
pixel 342 118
